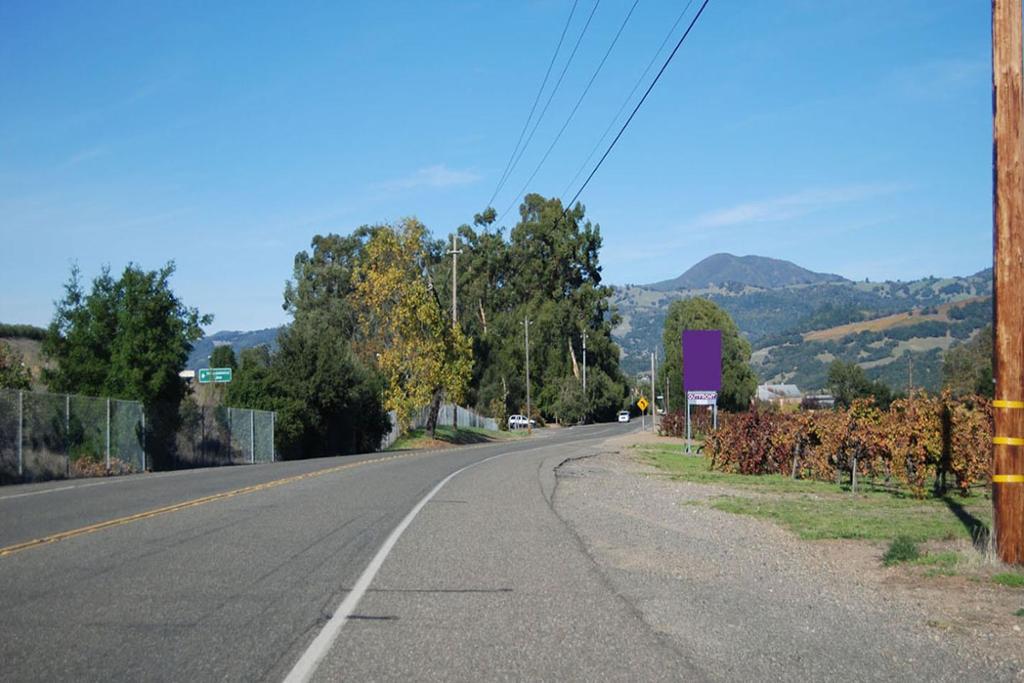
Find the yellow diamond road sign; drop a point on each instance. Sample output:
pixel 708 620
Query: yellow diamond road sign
pixel 642 403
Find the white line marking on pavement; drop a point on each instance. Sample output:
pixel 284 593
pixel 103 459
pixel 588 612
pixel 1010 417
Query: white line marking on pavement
pixel 307 665
pixel 54 490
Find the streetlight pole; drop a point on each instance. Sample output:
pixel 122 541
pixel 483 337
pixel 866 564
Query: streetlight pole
pixel 526 325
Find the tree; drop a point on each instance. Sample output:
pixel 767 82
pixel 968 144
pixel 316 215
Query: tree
pixel 13 372
pixel 546 270
pixel 321 380
pixel 738 380
pixel 967 368
pixel 420 353
pixel 223 356
pixel 847 382
pixel 570 405
pixel 126 338
pixel 328 401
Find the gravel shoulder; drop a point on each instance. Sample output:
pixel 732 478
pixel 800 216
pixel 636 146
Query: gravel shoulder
pixel 753 602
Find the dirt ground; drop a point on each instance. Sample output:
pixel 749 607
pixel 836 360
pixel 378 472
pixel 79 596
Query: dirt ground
pixel 963 625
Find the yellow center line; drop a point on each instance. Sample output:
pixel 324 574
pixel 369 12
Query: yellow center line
pixel 184 505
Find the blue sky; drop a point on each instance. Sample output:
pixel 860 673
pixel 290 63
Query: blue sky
pixel 849 137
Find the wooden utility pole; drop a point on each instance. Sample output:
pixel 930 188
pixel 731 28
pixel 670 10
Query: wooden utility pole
pixel 455 251
pixel 1008 281
pixel 654 397
pixel 526 325
pixel 584 364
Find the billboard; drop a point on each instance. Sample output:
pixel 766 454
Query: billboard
pixel 702 360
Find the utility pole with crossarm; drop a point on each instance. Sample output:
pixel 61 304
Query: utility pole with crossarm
pixel 455 251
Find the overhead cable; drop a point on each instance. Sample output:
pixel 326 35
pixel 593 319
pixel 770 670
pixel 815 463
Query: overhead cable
pixel 637 107
pixel 625 102
pixel 533 108
pixel 551 96
pixel 572 113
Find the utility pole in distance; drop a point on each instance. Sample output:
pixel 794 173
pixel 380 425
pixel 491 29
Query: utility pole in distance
pixel 584 363
pixel 1008 281
pixel 455 251
pixel 526 325
pixel 654 396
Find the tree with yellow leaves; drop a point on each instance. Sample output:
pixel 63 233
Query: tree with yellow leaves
pixel 422 356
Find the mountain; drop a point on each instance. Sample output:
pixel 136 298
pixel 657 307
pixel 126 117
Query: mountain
pixel 883 326
pixel 200 356
pixel 755 271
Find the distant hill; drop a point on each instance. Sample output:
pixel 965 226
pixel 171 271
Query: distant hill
pixel 896 349
pixel 797 329
pixel 755 271
pixel 200 356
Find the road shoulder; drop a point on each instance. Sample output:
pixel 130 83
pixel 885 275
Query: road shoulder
pixel 752 601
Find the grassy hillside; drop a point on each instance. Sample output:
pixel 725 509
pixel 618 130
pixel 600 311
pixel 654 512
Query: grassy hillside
pixel 885 347
pixel 31 354
pixel 799 329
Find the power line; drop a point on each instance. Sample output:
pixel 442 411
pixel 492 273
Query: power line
pixel 551 96
pixel 572 113
pixel 629 97
pixel 638 105
pixel 536 99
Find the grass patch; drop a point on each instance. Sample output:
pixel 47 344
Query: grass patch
pixel 1009 579
pixel 902 549
pixel 876 516
pixel 944 560
pixel 1019 613
pixel 420 438
pixel 674 462
pixel 816 510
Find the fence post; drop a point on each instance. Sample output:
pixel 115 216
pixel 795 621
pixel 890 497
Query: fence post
pixel 21 429
pixel 252 436
pixel 108 434
pixel 143 439
pixel 273 451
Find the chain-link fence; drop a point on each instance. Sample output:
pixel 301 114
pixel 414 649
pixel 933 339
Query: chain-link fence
pixel 447 414
pixel 49 436
pixel 218 435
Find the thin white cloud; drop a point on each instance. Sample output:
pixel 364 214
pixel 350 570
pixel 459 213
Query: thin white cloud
pixel 83 156
pixel 788 207
pixel 941 78
pixel 436 176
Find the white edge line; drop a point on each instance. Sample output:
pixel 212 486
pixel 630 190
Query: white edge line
pixel 309 661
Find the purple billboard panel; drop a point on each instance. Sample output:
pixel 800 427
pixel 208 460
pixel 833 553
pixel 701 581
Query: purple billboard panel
pixel 702 360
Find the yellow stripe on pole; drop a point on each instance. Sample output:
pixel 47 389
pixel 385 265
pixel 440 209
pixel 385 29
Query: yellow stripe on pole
pixel 1008 441
pixel 1008 478
pixel 1002 403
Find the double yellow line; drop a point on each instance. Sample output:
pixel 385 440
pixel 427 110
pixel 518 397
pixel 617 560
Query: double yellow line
pixel 195 502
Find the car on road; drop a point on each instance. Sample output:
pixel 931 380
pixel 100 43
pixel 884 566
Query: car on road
pixel 520 422
pixel 623 416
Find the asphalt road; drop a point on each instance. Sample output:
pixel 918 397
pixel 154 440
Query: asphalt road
pixel 240 569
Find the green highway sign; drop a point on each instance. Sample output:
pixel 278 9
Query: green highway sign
pixel 215 375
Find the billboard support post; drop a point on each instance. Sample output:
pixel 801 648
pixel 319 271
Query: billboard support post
pixel 702 374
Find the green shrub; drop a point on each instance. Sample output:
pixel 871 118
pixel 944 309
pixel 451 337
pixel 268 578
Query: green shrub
pixel 902 549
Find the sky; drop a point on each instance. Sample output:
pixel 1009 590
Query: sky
pixel 846 136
